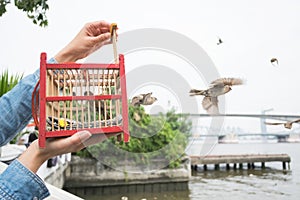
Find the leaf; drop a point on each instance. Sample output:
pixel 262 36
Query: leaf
pixel 8 82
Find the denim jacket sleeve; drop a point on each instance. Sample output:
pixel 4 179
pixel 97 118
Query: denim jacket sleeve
pixel 18 183
pixel 15 107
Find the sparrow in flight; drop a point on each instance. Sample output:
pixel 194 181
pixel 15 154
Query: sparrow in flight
pixel 216 88
pixel 274 60
pixel 143 99
pixel 287 124
pixel 219 41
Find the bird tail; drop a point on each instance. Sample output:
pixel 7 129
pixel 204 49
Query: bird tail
pixel 194 92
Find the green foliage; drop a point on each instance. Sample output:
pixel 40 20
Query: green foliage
pixel 35 9
pixel 162 137
pixel 3 4
pixel 7 82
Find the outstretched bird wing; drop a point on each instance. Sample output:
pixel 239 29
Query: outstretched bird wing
pixel 296 121
pixel 194 92
pixel 273 60
pixel 148 99
pixel 274 123
pixel 210 104
pixel 289 124
pixel 137 100
pixel 220 41
pixel 227 81
pixel 146 96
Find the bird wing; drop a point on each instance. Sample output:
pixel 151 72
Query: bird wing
pixel 296 121
pixel 274 60
pixel 274 123
pixel 227 81
pixel 219 41
pixel 136 101
pixel 289 124
pixel 148 99
pixel 210 104
pixel 194 92
pixel 147 96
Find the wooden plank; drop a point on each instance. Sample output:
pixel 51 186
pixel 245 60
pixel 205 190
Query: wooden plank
pixel 244 158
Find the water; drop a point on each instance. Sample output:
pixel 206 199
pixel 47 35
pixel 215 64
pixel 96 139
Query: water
pixel 270 183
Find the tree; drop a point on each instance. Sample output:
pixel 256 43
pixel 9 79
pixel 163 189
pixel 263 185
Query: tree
pixel 162 137
pixel 35 9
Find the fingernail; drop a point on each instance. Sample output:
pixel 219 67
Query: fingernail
pixel 84 135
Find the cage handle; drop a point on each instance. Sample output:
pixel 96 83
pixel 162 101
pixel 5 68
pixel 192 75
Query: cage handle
pixel 113 32
pixel 35 104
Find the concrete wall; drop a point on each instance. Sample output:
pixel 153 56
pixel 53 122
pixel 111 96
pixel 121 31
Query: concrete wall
pixel 88 176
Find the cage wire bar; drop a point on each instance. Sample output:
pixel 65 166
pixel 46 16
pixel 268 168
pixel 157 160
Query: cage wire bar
pixel 75 97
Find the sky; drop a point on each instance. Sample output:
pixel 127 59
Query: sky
pixel 253 31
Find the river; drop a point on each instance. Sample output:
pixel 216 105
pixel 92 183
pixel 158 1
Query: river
pixel 270 183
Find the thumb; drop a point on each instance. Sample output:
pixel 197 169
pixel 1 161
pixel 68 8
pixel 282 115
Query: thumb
pixel 83 135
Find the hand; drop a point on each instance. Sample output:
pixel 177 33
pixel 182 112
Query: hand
pixel 35 156
pixel 90 38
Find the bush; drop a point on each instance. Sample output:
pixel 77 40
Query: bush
pixel 162 137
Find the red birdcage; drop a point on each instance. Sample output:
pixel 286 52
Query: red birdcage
pixel 74 97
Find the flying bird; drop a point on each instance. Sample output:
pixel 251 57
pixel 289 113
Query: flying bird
pixel 287 124
pixel 274 60
pixel 216 88
pixel 143 99
pixel 219 41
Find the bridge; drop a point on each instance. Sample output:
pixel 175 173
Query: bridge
pixel 264 116
pixel 247 134
pixel 281 137
pixel 227 138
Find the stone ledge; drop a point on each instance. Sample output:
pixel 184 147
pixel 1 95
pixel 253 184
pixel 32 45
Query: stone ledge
pixel 84 172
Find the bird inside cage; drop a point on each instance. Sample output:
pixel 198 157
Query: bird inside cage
pixel 101 107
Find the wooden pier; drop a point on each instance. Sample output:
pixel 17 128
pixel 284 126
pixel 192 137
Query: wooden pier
pixel 238 161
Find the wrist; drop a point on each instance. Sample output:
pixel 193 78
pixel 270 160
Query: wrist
pixel 65 55
pixel 33 157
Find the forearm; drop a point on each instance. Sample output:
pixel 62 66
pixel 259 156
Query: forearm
pixel 17 182
pixel 66 55
pixel 15 107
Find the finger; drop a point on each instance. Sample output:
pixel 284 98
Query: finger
pixel 83 135
pixel 79 138
pixel 94 139
pixel 102 38
pixel 103 25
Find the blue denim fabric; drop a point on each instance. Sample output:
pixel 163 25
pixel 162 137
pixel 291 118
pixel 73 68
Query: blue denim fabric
pixel 15 107
pixel 19 183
